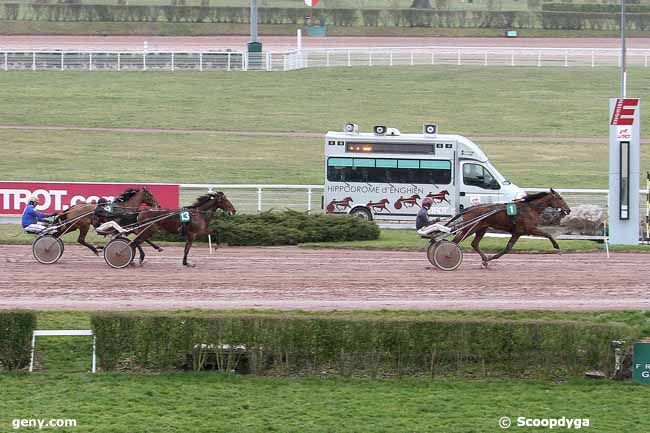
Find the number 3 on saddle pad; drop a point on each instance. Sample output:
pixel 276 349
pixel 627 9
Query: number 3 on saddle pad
pixel 185 216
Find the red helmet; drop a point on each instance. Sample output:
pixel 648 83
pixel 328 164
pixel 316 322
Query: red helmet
pixel 427 202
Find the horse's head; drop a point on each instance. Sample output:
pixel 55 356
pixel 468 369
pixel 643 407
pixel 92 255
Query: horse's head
pixel 225 204
pixel 557 202
pixel 148 198
pixel 215 200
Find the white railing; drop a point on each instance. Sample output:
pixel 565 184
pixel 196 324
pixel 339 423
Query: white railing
pixel 134 61
pixel 251 198
pixel 316 58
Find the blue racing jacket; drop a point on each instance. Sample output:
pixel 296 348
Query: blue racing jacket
pixel 31 215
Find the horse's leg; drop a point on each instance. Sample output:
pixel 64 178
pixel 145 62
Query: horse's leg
pixel 188 245
pixel 83 231
pixel 155 247
pixel 538 232
pixel 475 244
pixel 511 243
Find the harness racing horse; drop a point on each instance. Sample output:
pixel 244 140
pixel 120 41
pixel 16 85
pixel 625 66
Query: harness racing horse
pixel 478 219
pixel 201 213
pixel 129 199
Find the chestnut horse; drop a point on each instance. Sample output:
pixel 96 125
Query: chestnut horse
pixel 131 199
pixel 478 219
pixel 201 213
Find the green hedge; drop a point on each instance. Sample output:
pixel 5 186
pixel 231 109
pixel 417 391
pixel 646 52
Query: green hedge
pixel 16 328
pixel 584 19
pixel 605 8
pixel 291 228
pixel 293 345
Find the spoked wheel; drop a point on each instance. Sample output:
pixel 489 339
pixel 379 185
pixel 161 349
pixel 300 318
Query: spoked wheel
pixel 47 249
pixel 447 256
pixel 431 250
pixel 118 253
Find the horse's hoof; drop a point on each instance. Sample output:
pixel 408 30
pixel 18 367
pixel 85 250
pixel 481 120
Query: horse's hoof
pixel 160 250
pixel 96 253
pixel 189 265
pixel 558 252
pixel 484 265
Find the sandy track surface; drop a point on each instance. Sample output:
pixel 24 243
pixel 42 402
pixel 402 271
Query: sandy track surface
pixel 280 43
pixel 291 278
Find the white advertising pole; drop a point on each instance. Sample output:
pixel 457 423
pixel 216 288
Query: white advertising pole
pixel 624 170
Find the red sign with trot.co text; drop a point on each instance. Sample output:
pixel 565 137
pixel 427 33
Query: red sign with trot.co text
pixel 59 196
pixel 624 111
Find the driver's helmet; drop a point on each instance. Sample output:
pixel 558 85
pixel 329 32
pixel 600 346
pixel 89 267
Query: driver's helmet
pixel 427 202
pixel 102 201
pixel 33 200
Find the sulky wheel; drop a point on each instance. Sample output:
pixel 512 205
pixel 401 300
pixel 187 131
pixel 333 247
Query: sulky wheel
pixel 47 249
pixel 447 256
pixel 118 253
pixel 431 250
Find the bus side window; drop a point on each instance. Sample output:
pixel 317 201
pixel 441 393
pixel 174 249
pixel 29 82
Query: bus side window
pixel 477 175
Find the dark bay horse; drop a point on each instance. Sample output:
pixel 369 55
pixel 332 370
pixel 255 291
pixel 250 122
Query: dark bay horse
pixel 201 213
pixel 478 219
pixel 129 200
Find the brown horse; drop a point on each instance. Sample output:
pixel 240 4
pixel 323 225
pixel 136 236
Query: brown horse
pixel 129 200
pixel 201 213
pixel 477 219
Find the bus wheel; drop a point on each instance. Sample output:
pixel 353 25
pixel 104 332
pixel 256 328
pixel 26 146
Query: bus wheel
pixel 361 213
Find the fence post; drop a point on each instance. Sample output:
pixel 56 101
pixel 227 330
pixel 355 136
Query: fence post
pixel 644 64
pixel 144 61
pixel 411 58
pixel 118 62
pixel 459 62
pixel 6 61
pixel 485 59
pixel 390 56
pixel 244 62
pixel 539 59
pixel 349 60
pixel 269 59
pixel 304 57
pixel 512 58
pixel 566 59
pixel 370 57
pixel 34 61
pixel 228 64
pixel 593 59
pixel 327 58
pixel 259 199
pixel 433 57
pixel 172 62
pixel 90 61
pixel 201 62
pixel 62 67
pixel 309 196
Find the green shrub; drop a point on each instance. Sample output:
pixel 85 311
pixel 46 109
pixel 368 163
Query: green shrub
pixel 316 345
pixel 16 329
pixel 291 228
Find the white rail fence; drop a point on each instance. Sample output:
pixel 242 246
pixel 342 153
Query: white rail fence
pixel 317 58
pixel 258 198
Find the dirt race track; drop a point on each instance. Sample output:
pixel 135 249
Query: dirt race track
pixel 291 277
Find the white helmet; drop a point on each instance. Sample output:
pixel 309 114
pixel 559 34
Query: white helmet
pixel 33 199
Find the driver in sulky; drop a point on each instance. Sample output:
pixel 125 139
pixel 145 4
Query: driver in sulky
pixel 32 218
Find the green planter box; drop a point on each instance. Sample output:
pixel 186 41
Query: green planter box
pixel 317 31
pixel 254 47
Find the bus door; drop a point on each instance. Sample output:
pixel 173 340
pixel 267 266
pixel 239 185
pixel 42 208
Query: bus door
pixel 477 185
